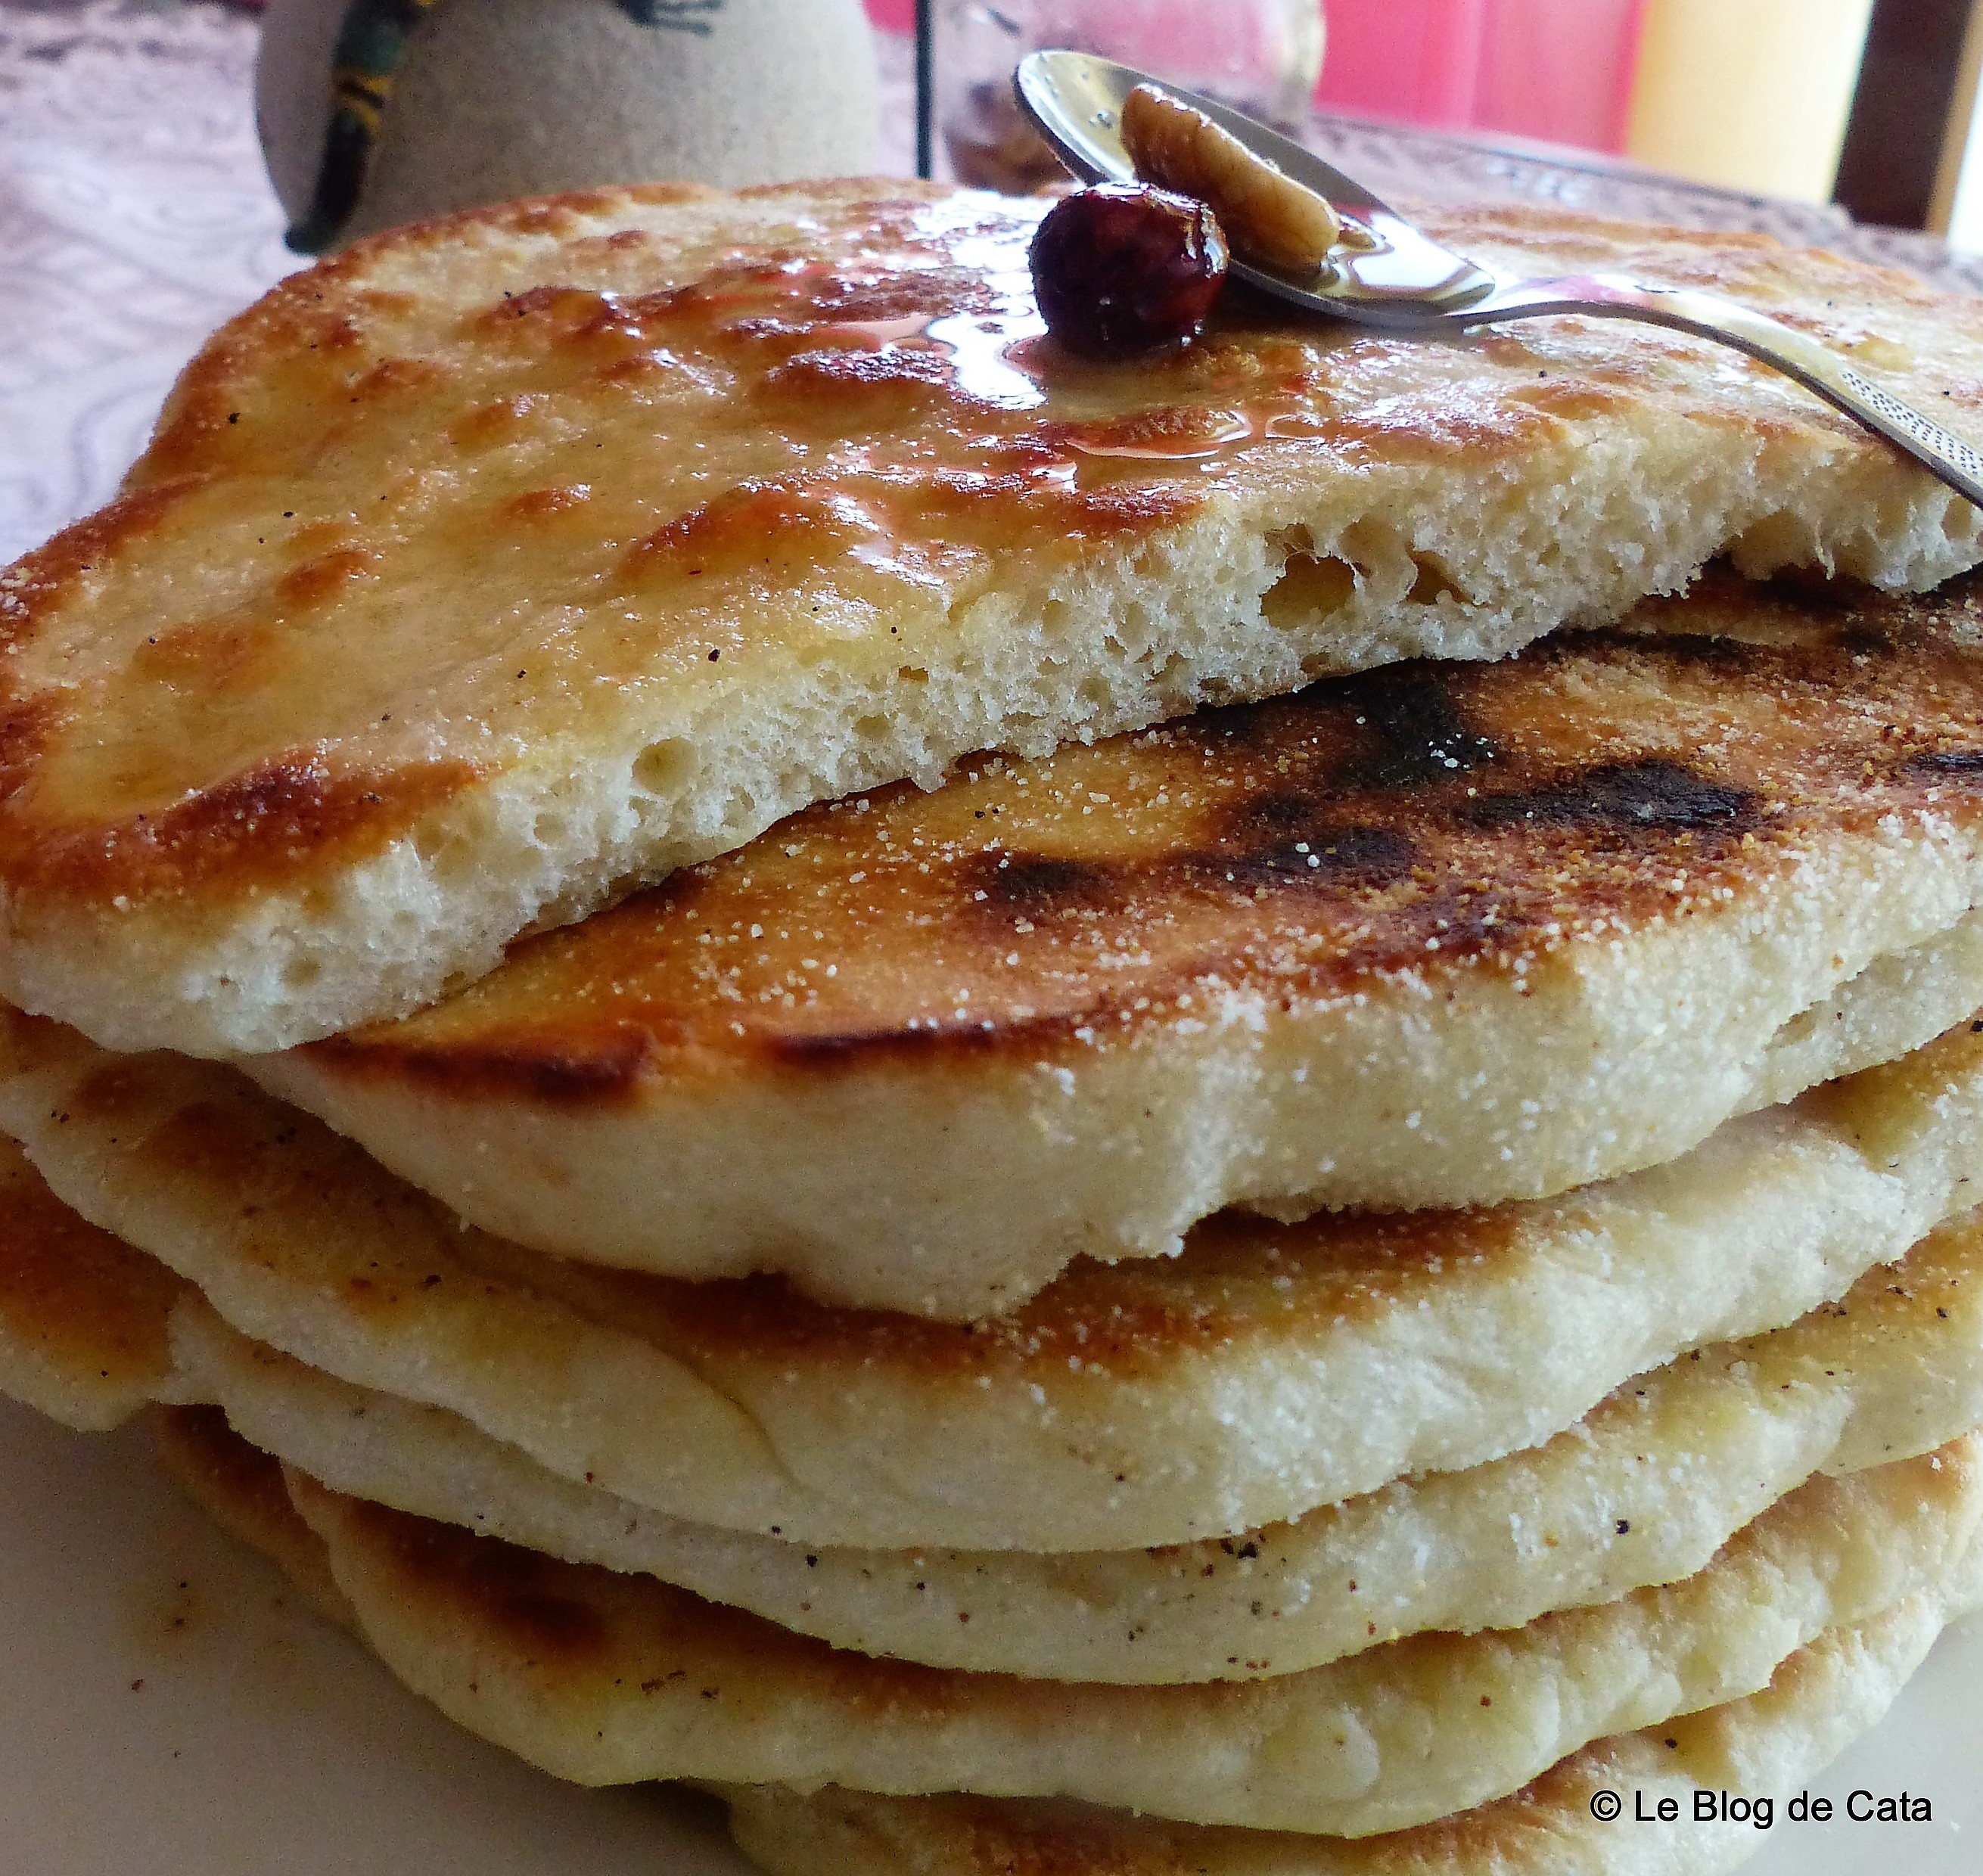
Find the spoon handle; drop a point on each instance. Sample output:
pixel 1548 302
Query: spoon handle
pixel 1796 354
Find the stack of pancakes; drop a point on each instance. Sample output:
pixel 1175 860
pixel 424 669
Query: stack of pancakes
pixel 1378 1242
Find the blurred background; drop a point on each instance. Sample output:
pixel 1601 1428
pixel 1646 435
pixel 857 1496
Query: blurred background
pixel 1872 103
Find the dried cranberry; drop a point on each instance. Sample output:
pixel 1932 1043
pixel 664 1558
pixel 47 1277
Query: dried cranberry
pixel 1122 269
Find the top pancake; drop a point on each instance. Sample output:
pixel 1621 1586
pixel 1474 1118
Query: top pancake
pixel 505 562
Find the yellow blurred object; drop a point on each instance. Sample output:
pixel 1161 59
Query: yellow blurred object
pixel 1749 94
pixel 1956 209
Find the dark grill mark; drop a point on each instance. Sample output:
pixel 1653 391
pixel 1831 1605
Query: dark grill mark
pixel 1036 879
pixel 1627 796
pixel 1420 732
pixel 1285 840
pixel 1283 843
pixel 1289 814
pixel 1947 762
pixel 558 1070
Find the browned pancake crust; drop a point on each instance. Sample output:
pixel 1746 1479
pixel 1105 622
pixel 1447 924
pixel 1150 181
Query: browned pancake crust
pixel 1444 819
pixel 1538 1828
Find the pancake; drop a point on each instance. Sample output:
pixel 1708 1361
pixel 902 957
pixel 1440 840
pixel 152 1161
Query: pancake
pixel 507 561
pixel 1431 936
pixel 1643 1491
pixel 1269 1370
pixel 607 1679
pixel 1770 1745
pixel 1820 1698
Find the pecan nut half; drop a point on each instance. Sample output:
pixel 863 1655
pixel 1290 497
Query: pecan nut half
pixel 1268 218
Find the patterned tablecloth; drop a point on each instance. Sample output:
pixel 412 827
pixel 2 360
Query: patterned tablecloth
pixel 134 217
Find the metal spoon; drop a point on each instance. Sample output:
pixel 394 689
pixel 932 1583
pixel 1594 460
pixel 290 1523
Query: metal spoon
pixel 1407 282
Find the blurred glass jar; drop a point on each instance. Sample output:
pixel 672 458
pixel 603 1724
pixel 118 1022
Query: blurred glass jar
pixel 1261 56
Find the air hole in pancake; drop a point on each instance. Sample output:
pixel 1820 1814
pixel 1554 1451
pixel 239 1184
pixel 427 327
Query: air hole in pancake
pixel 1433 583
pixel 911 674
pixel 1312 587
pixel 662 768
pixel 449 857
pixel 1379 554
pixel 1809 586
pixel 300 973
pixel 1777 541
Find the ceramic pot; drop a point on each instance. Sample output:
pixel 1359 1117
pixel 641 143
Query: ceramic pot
pixel 425 106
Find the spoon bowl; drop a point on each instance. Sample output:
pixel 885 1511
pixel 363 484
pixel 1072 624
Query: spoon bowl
pixel 1405 281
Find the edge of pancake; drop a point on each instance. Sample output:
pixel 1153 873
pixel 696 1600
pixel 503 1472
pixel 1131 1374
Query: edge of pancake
pixel 241 1489
pixel 83 1317
pixel 1642 1491
pixel 1821 1700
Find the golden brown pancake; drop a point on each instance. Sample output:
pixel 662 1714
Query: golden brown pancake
pixel 506 562
pixel 1643 1490
pixel 241 1489
pixel 1430 936
pixel 83 1316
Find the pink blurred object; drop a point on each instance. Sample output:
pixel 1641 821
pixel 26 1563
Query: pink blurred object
pixel 1559 71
